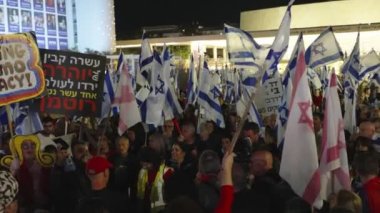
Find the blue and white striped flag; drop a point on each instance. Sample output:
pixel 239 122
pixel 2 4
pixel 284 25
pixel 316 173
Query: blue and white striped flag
pixel 370 64
pixel 156 99
pixel 314 78
pixel 191 83
pixel 283 109
pixel 26 120
pixel 352 65
pixel 242 49
pixel 172 107
pixel 231 93
pixel 143 75
pixel 279 46
pixel 108 96
pixel 350 96
pixel 208 96
pixel 324 50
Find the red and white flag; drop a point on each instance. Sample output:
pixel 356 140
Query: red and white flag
pixel 334 164
pixel 299 164
pixel 125 99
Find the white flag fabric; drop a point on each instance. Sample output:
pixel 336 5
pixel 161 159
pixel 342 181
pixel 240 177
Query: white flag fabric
pixel 352 65
pixel 192 83
pixel 26 120
pixel 279 46
pixel 156 99
pixel 283 109
pixel 351 69
pixel 146 66
pixel 350 97
pixel 253 115
pixel 242 49
pixel 370 63
pixel 172 106
pixel 208 96
pixel 334 164
pixel 125 99
pixel 299 150
pixel 314 78
pixel 324 50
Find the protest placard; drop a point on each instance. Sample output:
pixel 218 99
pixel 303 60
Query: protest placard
pixel 74 83
pixel 21 76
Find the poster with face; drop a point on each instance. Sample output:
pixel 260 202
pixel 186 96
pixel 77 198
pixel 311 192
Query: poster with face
pixel 13 3
pixel 50 6
pixel 26 20
pixel 39 23
pixel 61 6
pixel 38 4
pixel 51 24
pixel 62 26
pixel 41 42
pixel 2 19
pixel 52 43
pixel 63 44
pixel 26 4
pixel 13 20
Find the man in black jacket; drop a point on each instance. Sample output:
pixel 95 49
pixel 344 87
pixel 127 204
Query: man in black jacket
pixel 97 169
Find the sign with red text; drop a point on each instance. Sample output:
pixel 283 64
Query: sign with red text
pixel 74 83
pixel 21 76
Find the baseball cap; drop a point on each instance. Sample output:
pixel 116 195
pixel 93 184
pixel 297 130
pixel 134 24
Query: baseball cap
pixel 8 189
pixel 97 165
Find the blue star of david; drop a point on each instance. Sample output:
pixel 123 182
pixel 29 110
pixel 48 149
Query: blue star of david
pixel 319 49
pixel 356 62
pixel 215 92
pixel 160 88
pixel 276 56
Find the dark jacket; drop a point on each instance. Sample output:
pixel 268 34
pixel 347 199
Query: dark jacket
pixel 105 199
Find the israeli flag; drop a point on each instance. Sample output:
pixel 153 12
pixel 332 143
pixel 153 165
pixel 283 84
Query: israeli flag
pixel 283 109
pixel 253 115
pixel 108 96
pixel 248 81
pixel 350 96
pixel 314 78
pixel 231 93
pixel 352 66
pixel 26 120
pixel 156 99
pixel 370 63
pixel 208 96
pixel 242 49
pixel 191 83
pixel 279 46
pixel 143 75
pixel 324 50
pixel 172 107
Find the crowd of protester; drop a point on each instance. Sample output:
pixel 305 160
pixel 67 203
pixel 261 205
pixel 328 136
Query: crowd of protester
pixel 175 169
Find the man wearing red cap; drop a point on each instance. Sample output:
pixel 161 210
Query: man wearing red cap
pixel 97 169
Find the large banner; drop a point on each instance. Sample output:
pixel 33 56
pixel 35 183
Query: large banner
pixel 268 96
pixel 21 76
pixel 74 83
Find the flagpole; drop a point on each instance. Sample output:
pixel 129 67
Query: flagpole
pixel 241 123
pixel 107 121
pixel 199 78
pixel 8 109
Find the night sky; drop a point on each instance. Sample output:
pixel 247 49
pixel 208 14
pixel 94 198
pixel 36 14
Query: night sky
pixel 132 15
